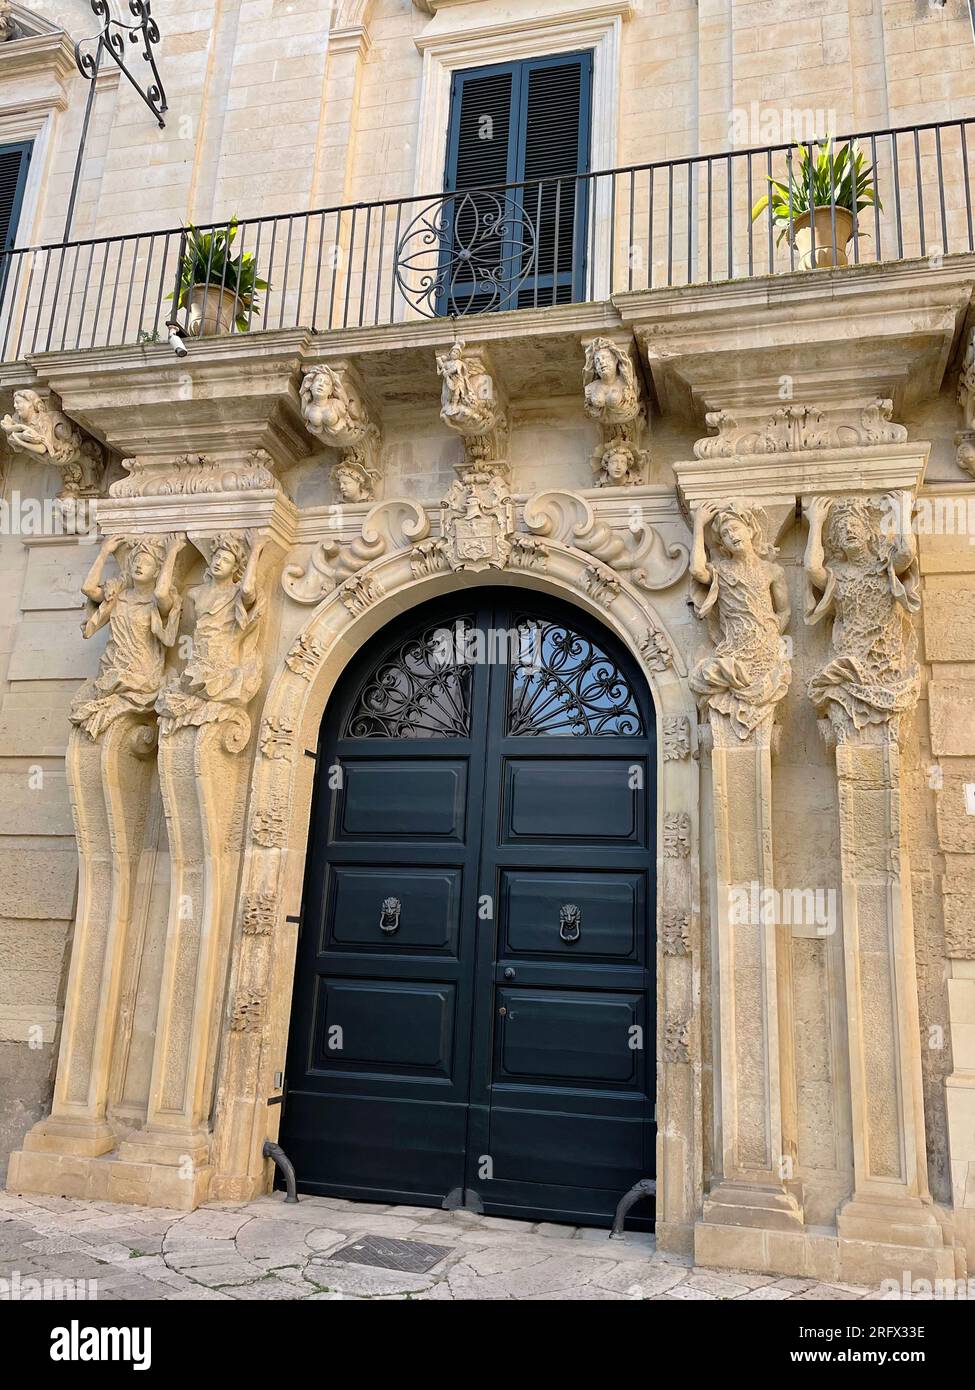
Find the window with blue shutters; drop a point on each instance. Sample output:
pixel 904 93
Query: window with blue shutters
pixel 518 141
pixel 14 162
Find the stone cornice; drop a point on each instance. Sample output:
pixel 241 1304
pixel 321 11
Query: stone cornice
pixel 524 31
pixel 355 39
pixel 772 480
pixel 204 514
pixel 36 56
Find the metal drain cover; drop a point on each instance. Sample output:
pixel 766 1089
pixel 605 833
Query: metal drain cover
pixel 408 1256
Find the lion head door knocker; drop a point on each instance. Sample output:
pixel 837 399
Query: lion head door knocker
pixel 570 922
pixel 389 915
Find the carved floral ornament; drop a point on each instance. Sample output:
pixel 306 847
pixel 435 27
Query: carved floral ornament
pixel 195 473
pixel 37 427
pixel 794 428
pixel 142 607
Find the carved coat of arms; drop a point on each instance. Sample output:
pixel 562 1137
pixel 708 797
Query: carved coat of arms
pixel 477 521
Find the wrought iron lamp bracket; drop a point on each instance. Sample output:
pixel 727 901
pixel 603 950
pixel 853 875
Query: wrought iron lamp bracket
pixel 111 41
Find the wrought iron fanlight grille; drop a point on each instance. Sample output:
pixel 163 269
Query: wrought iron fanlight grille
pixel 563 684
pixel 420 689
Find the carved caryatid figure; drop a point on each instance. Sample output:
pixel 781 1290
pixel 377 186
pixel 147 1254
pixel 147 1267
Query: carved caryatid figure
pixel 609 382
pixel 741 591
pixel 6 21
pixel 866 579
pixel 142 608
pixel 37 428
pixel 223 672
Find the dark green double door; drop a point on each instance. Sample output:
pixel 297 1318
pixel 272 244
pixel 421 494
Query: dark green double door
pixel 473 1007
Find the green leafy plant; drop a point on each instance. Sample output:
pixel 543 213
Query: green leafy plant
pixel 843 178
pixel 208 260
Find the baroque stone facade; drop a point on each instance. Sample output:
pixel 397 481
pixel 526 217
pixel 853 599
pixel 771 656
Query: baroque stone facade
pixel 762 488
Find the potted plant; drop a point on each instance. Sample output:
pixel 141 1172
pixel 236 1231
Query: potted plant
pixel 217 289
pixel 833 184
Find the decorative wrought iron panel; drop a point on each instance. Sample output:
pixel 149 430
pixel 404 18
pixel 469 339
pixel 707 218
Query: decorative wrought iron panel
pixel 420 689
pixel 562 684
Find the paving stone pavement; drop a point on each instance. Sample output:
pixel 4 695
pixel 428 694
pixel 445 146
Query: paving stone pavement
pixel 266 1250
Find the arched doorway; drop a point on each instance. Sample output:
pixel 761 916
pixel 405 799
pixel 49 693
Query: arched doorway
pixel 473 1009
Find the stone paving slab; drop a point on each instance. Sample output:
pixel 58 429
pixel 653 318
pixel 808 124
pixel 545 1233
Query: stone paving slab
pixel 266 1251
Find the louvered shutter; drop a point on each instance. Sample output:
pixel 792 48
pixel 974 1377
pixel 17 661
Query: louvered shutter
pixel 517 123
pixel 556 145
pixel 14 160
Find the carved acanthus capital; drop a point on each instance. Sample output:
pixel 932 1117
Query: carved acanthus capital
pixel 196 473
pixel 796 427
pixel 141 608
pixel 862 574
pixel 611 387
pixel 336 410
pixel 37 427
pixel 741 592
pixel 472 402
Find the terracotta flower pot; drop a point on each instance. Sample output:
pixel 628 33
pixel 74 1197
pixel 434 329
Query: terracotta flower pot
pixel 210 310
pixel 826 253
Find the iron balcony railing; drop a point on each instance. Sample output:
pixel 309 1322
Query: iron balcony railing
pixel 519 246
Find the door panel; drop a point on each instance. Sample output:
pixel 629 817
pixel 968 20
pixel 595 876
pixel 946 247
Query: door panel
pixel 473 1006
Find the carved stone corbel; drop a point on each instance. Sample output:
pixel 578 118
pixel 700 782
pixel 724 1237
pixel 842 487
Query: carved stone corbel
pixel 611 386
pixel 336 410
pixel 796 427
pixel 37 427
pixel 473 403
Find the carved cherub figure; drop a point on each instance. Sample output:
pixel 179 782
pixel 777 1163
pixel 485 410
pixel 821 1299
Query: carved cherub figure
pixel 618 463
pixel 742 592
pixel 143 609
pixel 609 382
pixel 864 577
pixel 223 672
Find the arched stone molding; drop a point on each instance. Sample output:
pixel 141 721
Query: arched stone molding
pixel 263 949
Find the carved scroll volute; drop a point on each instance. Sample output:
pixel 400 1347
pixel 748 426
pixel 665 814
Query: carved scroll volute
pixel 861 570
pixel 612 396
pixel 741 592
pixel 336 409
pixel 473 403
pixel 39 428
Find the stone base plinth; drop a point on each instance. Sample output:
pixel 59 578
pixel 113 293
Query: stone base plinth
pixel 81 1138
pixel 108 1179
pixel 818 1253
pixel 745 1204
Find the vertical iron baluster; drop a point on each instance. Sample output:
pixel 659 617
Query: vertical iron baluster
pixel 629 252
pixel 26 313
pixel 40 298
pixel 395 265
pixel 145 285
pixel 856 215
pixel 612 233
pixel 941 189
pixel 878 233
pixel 287 269
pixel 556 235
pixel 365 264
pixel 592 246
pixel 729 161
pixel 270 272
pixel 56 298
pixel 811 202
pixel 897 198
pixel 162 275
pixel 335 267
pixel 318 273
pixel 771 222
pixel 383 208
pixel 257 272
pixel 67 307
pixel 653 171
pixel 118 277
pixel 21 258
pixel 920 194
pixel 690 199
pixel 84 296
pixel 750 203
pixel 708 216
pixel 670 224
pixel 128 298
pixel 968 186
pixel 832 199
pixel 101 289
pixel 301 278
pixel 348 272
pixel 792 228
